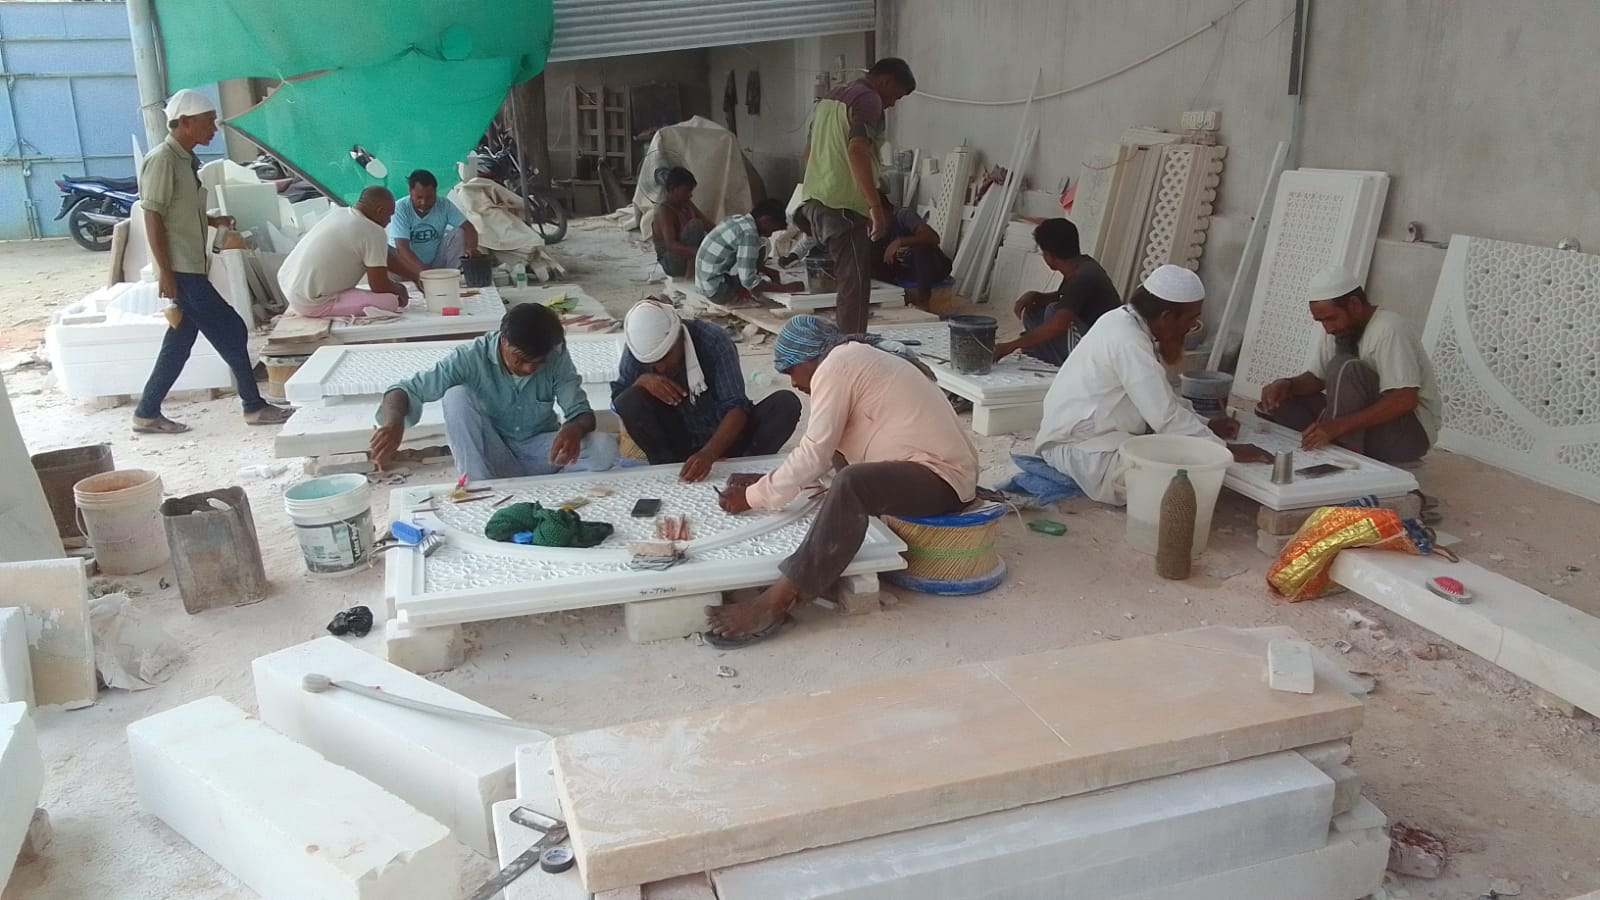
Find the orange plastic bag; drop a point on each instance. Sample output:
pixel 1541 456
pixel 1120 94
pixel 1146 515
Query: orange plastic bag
pixel 1301 572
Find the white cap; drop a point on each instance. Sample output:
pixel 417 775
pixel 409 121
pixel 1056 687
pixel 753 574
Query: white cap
pixel 1331 284
pixel 188 102
pixel 1175 284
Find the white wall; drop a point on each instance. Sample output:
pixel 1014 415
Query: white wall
pixel 687 68
pixel 774 139
pixel 1482 111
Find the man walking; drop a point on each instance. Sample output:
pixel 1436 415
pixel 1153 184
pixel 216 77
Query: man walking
pixel 843 207
pixel 175 221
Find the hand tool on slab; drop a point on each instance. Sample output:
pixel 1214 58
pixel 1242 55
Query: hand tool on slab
pixel 316 683
pixel 552 831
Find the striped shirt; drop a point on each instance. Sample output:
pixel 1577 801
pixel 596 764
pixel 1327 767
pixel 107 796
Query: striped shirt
pixel 731 248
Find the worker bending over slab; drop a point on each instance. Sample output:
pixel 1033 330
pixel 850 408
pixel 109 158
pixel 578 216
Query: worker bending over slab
pixel 909 251
pixel 1113 387
pixel 679 226
pixel 900 451
pixel 680 394
pixel 1054 323
pixel 428 232
pixel 729 262
pixel 499 393
pixel 320 276
pixel 1369 385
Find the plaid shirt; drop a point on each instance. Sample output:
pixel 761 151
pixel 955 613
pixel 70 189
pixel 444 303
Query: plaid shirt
pixel 719 362
pixel 733 247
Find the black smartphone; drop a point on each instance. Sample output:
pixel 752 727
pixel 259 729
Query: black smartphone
pixel 1319 470
pixel 646 507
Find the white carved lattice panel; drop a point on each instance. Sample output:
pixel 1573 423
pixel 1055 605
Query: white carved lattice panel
pixel 1097 187
pixel 948 203
pixel 1180 211
pixel 479 313
pixel 1515 340
pixel 1320 217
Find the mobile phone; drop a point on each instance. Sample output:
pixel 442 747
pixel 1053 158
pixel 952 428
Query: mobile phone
pixel 646 507
pixel 1317 471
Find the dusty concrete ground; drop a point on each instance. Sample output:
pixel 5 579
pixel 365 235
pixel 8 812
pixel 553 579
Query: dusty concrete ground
pixel 1452 744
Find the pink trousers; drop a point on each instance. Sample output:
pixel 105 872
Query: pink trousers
pixel 353 302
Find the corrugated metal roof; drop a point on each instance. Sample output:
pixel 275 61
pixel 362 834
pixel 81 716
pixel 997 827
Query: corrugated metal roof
pixel 592 29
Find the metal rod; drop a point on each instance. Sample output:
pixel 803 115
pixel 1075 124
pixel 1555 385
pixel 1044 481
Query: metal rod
pixel 522 163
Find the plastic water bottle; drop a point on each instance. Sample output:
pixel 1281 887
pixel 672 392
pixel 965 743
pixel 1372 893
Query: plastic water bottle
pixel 1175 537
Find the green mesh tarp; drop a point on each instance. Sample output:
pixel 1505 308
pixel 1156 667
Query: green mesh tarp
pixel 415 83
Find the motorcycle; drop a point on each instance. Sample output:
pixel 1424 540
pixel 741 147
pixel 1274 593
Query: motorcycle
pixel 497 160
pixel 93 205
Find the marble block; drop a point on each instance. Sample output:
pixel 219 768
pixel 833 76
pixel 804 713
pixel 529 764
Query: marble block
pixel 54 594
pixel 667 617
pixel 652 800
pixel 16 669
pixel 1350 866
pixel 21 780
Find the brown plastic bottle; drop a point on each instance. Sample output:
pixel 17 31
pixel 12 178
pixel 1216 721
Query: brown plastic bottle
pixel 1175 537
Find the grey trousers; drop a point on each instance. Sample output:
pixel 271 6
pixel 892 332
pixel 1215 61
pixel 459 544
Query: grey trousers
pixel 1055 353
pixel 848 236
pixel 481 453
pixel 1350 387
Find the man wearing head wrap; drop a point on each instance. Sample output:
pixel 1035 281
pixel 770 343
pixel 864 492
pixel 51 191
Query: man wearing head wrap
pixel 680 394
pixel 1113 386
pixel 175 221
pixel 899 447
pixel 1369 386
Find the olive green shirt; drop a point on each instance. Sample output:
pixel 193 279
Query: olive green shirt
pixel 169 186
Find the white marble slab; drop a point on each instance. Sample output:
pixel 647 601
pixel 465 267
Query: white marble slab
pixel 1363 475
pixel 480 313
pixel 881 294
pixel 472 578
pixel 1007 384
pixel 368 370
pixel 1512 334
pixel 1320 217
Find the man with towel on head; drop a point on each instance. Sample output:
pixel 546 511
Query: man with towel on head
pixel 879 418
pixel 680 393
pixel 1113 386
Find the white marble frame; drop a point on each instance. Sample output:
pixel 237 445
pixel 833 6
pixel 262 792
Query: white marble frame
pixel 1364 476
pixel 882 293
pixel 480 314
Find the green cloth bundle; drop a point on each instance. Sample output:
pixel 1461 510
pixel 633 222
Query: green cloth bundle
pixel 549 527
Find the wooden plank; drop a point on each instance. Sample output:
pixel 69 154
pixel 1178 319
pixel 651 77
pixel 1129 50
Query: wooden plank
pixel 654 800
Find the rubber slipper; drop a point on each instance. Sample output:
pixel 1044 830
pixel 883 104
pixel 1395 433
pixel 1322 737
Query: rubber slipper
pixel 159 425
pixel 267 415
pixel 755 637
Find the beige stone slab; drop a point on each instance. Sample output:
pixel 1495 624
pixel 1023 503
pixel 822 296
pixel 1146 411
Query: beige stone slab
pixel 54 594
pixel 653 800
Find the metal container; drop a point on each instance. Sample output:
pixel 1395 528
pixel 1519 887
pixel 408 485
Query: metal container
pixel 1283 467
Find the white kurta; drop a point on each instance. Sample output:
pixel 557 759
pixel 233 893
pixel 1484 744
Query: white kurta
pixel 1112 387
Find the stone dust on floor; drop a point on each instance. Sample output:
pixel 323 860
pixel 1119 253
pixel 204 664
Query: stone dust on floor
pixel 1451 743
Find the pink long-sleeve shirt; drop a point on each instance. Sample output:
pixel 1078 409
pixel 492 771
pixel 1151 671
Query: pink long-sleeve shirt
pixel 872 406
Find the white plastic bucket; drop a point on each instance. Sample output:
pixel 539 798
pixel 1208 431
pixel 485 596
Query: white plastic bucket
pixel 441 287
pixel 121 514
pixel 1149 462
pixel 332 517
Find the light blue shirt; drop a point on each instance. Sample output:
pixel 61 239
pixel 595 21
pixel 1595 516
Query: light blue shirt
pixel 519 406
pixel 424 232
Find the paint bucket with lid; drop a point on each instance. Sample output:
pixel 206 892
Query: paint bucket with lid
pixel 121 513
pixel 1207 391
pixel 440 287
pixel 332 517
pixel 58 471
pixel 972 340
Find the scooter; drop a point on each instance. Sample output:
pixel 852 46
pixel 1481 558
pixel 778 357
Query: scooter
pixel 93 205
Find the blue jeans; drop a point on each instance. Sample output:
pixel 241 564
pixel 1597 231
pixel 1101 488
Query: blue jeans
pixel 204 312
pixel 1055 353
pixel 482 453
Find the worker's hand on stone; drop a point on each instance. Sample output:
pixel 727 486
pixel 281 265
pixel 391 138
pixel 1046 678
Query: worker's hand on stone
pixel 1004 349
pixel 1023 302
pixel 892 252
pixel 1226 428
pixel 385 441
pixel 1249 453
pixel 1321 434
pixel 732 499
pixel 696 467
pixel 167 284
pixel 564 449
pixel 880 223
pixel 662 388
pixel 400 291
pixel 1276 394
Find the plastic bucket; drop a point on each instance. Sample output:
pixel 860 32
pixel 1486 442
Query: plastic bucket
pixel 477 271
pixel 332 517
pixel 121 513
pixel 441 287
pixel 972 344
pixel 58 471
pixel 1207 391
pixel 279 370
pixel 1149 462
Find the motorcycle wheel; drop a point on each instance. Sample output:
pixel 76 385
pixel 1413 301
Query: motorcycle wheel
pixel 548 217
pixel 89 235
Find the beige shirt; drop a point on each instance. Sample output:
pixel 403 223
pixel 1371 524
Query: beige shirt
pixel 1395 353
pixel 169 186
pixel 870 405
pixel 332 258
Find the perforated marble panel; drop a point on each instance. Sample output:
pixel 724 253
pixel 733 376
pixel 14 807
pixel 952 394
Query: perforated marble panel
pixel 881 294
pixel 954 174
pixel 472 578
pixel 1097 178
pixel 1008 384
pixel 1515 341
pixel 480 313
pixel 365 370
pixel 1319 218
pixel 1180 211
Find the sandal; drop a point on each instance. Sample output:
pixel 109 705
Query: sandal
pixel 755 637
pixel 158 425
pixel 267 415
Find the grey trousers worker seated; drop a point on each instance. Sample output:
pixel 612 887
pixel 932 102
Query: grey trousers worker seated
pixel 666 435
pixel 1352 385
pixel 481 453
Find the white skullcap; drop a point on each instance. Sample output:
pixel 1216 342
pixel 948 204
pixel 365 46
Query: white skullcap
pixel 1331 284
pixel 188 102
pixel 1175 284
